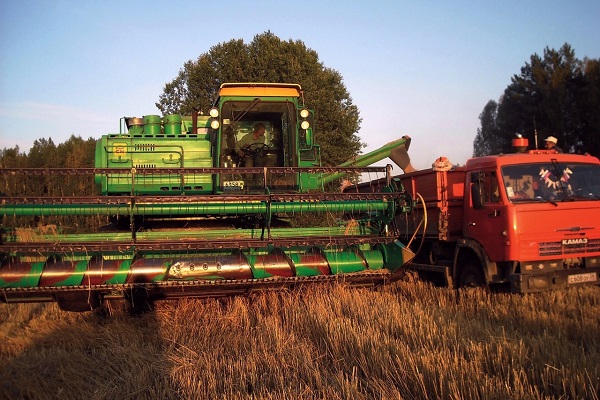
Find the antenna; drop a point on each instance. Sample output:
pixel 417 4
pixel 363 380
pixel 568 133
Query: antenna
pixel 535 133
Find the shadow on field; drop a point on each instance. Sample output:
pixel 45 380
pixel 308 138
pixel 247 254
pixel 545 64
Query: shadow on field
pixel 409 340
pixel 48 353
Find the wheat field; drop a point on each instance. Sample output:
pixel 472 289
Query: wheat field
pixel 407 340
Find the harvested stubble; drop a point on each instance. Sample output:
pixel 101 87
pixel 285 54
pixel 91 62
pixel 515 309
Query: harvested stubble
pixel 404 341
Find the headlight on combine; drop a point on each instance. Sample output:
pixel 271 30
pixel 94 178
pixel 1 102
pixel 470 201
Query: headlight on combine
pixel 214 124
pixel 304 113
pixel 214 112
pixel 304 124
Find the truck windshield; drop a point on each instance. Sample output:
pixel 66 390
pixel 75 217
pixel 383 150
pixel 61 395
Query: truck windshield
pixel 551 181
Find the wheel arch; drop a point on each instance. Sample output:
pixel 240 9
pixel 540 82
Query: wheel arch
pixel 471 250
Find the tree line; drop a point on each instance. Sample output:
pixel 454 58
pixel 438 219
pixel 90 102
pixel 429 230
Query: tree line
pixel 555 94
pixel 73 153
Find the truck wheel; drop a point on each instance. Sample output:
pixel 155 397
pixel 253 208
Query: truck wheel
pixel 471 276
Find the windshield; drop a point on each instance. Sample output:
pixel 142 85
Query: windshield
pixel 238 118
pixel 551 181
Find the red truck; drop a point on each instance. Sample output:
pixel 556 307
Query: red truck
pixel 529 221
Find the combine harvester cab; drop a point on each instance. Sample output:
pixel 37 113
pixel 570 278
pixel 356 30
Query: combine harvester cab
pixel 191 218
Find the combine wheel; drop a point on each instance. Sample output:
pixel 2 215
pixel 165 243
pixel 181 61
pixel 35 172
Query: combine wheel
pixel 134 302
pixel 113 307
pixel 471 275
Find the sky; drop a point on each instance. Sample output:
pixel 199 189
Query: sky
pixel 420 68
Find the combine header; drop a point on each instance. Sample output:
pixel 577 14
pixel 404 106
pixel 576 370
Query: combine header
pixel 194 214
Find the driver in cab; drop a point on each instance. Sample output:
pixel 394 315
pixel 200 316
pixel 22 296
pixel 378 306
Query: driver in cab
pixel 250 147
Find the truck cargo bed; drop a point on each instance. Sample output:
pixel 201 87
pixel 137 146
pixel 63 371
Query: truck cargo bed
pixel 442 193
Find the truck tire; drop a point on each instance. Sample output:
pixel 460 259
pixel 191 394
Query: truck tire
pixel 471 276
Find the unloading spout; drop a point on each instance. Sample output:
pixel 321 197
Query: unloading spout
pixel 397 151
pixel 399 155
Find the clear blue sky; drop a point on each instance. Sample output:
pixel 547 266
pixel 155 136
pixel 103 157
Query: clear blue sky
pixel 419 68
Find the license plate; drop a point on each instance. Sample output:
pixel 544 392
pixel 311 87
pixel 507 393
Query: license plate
pixel 581 278
pixel 233 185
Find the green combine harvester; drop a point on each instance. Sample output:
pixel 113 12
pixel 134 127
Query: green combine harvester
pixel 190 213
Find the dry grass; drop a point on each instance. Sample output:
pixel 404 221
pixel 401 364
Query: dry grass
pixel 405 341
pixel 39 234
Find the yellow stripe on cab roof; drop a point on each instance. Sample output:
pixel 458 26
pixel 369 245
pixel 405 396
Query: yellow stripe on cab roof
pixel 260 89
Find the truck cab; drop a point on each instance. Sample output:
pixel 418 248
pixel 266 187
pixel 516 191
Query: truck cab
pixel 532 219
pixel 529 221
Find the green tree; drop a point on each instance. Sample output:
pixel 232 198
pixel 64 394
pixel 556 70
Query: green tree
pixel 486 141
pixel 590 108
pixel 74 153
pixel 11 185
pixel 270 59
pixel 556 94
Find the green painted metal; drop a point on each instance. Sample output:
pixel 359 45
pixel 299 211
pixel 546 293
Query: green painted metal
pixel 395 255
pixel 120 273
pixel 165 260
pixel 156 268
pixel 30 277
pixel 342 262
pixel 172 124
pixel 152 125
pixel 374 259
pixel 175 209
pixel 309 264
pixel 367 159
pixel 76 276
pixel 183 235
pixel 162 146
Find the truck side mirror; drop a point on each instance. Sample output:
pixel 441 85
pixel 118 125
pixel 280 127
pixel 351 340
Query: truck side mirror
pixel 477 196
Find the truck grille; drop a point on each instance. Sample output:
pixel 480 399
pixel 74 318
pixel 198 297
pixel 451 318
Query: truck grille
pixel 558 248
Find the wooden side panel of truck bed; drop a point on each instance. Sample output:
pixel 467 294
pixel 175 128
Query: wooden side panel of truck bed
pixel 443 195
